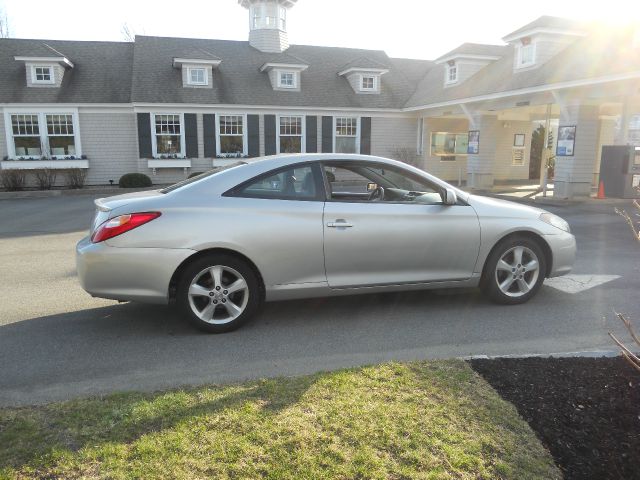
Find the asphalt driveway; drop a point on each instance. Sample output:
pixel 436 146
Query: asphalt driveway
pixel 57 342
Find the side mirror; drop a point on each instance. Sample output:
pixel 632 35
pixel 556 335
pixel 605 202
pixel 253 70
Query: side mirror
pixel 450 197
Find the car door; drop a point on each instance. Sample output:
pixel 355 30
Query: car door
pixel 277 220
pixel 408 237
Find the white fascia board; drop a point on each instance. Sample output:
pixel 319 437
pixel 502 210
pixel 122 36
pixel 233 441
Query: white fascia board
pixel 298 67
pixel 64 61
pixel 540 30
pixel 284 3
pixel 465 56
pixel 530 90
pixel 178 62
pixel 379 71
pixel 268 109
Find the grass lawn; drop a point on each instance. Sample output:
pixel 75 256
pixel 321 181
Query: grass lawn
pixel 411 420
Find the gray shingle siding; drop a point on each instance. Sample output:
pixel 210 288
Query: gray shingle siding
pixel 110 142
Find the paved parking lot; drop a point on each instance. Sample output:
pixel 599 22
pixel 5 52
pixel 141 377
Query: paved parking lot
pixel 57 342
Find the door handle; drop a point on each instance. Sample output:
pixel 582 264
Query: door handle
pixel 339 224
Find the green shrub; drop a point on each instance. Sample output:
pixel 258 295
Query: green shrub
pixel 13 179
pixel 134 180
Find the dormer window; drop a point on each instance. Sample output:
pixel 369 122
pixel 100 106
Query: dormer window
pixel 287 79
pixel 42 74
pixel 198 76
pixel 368 83
pixel 364 79
pixel 451 73
pixel 526 53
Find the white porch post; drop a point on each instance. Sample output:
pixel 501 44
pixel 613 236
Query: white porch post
pixel 480 165
pixel 573 174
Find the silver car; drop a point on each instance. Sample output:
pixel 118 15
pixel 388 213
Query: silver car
pixel 311 225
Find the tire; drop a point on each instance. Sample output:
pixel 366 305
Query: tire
pixel 508 280
pixel 218 293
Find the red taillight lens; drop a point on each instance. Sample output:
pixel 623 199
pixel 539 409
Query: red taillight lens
pixel 118 225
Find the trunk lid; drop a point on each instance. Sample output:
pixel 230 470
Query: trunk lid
pixel 104 206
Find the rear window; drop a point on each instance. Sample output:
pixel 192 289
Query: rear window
pixel 206 174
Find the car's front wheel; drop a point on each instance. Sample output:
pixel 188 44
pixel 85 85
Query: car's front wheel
pixel 514 271
pixel 218 293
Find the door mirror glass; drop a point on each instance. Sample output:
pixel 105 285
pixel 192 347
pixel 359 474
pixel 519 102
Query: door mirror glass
pixel 450 197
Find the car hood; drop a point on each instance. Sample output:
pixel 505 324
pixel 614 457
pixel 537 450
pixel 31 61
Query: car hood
pixel 111 203
pixel 497 207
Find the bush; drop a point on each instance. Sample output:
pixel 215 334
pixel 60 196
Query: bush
pixel 134 180
pixel 405 155
pixel 75 178
pixel 13 179
pixel 194 174
pixel 45 178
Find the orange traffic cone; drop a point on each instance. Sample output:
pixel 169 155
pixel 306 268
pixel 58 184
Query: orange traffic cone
pixel 600 195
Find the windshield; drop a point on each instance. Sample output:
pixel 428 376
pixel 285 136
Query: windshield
pixel 195 178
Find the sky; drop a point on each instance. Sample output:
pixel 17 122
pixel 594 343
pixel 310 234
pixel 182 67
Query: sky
pixel 403 28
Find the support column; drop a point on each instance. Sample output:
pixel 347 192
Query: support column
pixel 480 165
pixel 574 173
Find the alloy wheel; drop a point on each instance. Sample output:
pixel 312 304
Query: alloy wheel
pixel 517 271
pixel 218 294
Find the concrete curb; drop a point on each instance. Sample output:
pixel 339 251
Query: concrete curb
pixel 108 191
pixel 579 354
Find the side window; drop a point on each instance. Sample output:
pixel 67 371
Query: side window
pixel 359 182
pixel 297 183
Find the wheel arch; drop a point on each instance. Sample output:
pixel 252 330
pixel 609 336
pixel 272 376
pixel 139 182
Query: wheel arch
pixel 528 234
pixel 175 278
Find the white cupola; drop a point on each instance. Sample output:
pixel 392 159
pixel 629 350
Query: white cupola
pixel 268 24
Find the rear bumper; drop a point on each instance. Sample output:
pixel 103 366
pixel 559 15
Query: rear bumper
pixel 563 250
pixel 137 274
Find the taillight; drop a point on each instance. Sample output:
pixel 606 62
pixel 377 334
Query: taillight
pixel 118 225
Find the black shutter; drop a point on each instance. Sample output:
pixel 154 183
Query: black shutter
pixel 191 135
pixel 327 134
pixel 270 135
pixel 311 133
pixel 144 135
pixel 365 135
pixel 253 134
pixel 209 127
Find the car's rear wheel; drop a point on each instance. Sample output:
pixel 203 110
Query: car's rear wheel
pixel 218 293
pixel 514 271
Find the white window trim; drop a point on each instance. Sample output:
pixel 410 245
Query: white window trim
pixel 34 79
pixel 420 137
pixel 279 73
pixel 42 125
pixel 357 131
pixel 437 155
pixel 519 56
pixel 303 141
pixel 447 80
pixel 245 136
pixel 190 80
pixel 154 140
pixel 375 83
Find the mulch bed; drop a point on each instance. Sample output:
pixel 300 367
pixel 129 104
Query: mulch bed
pixel 586 411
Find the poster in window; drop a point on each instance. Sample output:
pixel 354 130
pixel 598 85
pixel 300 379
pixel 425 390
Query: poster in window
pixel 566 141
pixel 518 140
pixel 517 159
pixel 474 142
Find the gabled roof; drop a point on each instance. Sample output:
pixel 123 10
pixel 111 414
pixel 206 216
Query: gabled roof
pixel 601 54
pixel 102 73
pixel 547 23
pixel 475 50
pixel 365 63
